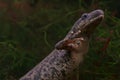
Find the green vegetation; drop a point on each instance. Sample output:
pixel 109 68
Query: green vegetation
pixel 29 30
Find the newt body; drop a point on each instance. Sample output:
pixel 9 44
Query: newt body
pixel 69 52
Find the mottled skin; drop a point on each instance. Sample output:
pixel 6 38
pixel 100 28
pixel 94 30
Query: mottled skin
pixel 69 52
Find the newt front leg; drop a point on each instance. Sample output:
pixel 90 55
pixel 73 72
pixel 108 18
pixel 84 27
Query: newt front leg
pixel 73 45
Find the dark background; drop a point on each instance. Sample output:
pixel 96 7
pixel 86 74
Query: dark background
pixel 29 29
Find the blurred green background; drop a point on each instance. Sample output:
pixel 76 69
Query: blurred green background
pixel 29 29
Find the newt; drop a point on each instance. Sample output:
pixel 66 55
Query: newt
pixel 69 52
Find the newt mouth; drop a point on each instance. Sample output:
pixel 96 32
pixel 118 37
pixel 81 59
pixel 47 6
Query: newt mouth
pixel 91 26
pixel 86 25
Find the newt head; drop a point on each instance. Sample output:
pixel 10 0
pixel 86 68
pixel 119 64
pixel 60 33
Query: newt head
pixel 82 29
pixel 86 25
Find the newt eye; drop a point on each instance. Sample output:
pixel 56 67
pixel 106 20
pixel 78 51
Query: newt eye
pixel 84 16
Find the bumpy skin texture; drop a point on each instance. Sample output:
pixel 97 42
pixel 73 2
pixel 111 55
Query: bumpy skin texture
pixel 56 67
pixel 69 52
pixel 59 66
